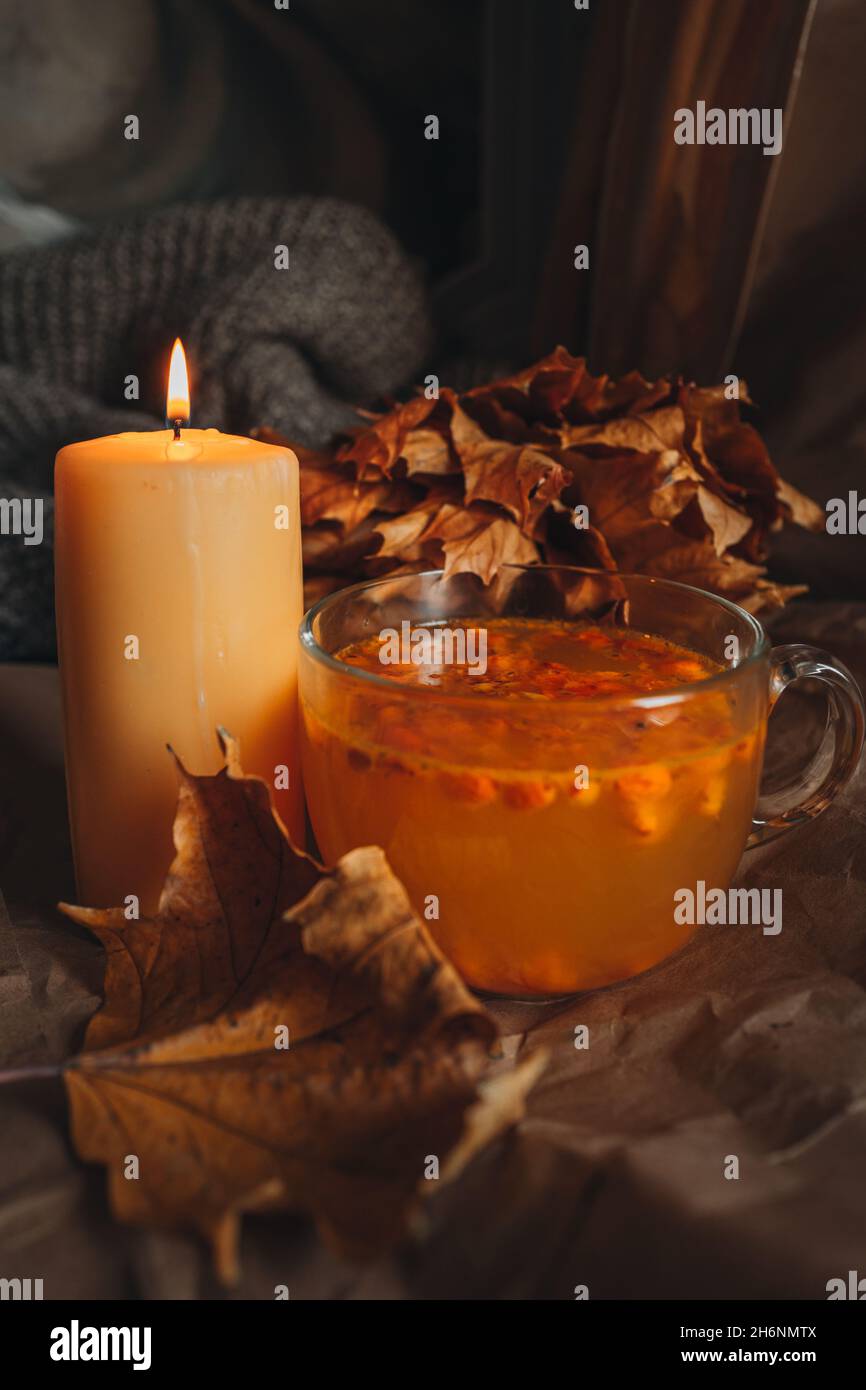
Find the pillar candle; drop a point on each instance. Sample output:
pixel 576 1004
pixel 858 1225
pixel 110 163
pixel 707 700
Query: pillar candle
pixel 178 595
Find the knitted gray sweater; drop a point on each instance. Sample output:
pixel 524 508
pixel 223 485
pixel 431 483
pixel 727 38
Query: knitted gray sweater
pixel 292 348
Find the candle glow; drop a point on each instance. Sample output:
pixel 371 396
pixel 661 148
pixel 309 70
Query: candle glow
pixel 177 400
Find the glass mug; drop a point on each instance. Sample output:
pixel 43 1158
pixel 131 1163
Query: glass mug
pixel 543 841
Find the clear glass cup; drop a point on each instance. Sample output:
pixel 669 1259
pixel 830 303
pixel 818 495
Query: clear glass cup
pixel 543 842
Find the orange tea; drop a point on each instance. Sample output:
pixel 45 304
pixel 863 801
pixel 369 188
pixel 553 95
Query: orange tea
pixel 541 804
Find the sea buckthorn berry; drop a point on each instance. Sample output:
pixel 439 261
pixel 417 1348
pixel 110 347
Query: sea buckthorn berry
pixel 745 748
pixel 528 796
pixel 586 796
pixel 594 639
pixel 388 762
pixel 406 739
pixel 494 728
pixel 688 670
pixel 471 787
pixel 642 817
pixel 713 796
pixel 648 783
pixel 714 762
pixel 391 714
pixel 641 789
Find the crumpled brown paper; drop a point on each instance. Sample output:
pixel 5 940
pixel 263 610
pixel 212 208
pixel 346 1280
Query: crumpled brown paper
pixel 742 1045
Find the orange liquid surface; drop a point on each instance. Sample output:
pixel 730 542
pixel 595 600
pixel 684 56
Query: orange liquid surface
pixel 540 834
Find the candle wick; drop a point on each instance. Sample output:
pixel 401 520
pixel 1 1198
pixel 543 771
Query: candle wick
pixel 177 424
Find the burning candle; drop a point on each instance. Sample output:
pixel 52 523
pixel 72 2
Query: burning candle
pixel 178 595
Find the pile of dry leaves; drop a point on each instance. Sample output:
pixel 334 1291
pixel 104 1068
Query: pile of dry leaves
pixel 674 484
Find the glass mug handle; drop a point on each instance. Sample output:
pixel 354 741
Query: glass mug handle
pixel 845 720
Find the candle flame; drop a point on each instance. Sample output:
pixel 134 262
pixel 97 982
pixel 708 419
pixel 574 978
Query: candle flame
pixel 177 401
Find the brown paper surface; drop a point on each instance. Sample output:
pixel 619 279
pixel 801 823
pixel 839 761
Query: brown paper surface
pixel 743 1045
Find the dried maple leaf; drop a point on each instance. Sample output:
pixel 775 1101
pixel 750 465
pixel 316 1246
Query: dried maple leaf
pixel 518 477
pixel 401 534
pixel 462 538
pixel 629 491
pixel 560 386
pixel 800 508
pixel 644 434
pixel 328 495
pixel 380 445
pixel 427 452
pixel 662 551
pixel 255 944
pixel 727 525
pixel 332 548
pixel 476 542
pixel 567 544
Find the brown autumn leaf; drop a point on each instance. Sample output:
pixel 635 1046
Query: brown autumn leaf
pixel 428 452
pixel 402 534
pixel 253 945
pixel 727 524
pixel 476 541
pixel 800 508
pixel 767 595
pixel 460 538
pixel 380 445
pixel 664 429
pixel 561 387
pixel 695 562
pixel 660 465
pixel 567 544
pixel 330 548
pixel 627 492
pixel 330 496
pixel 520 478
